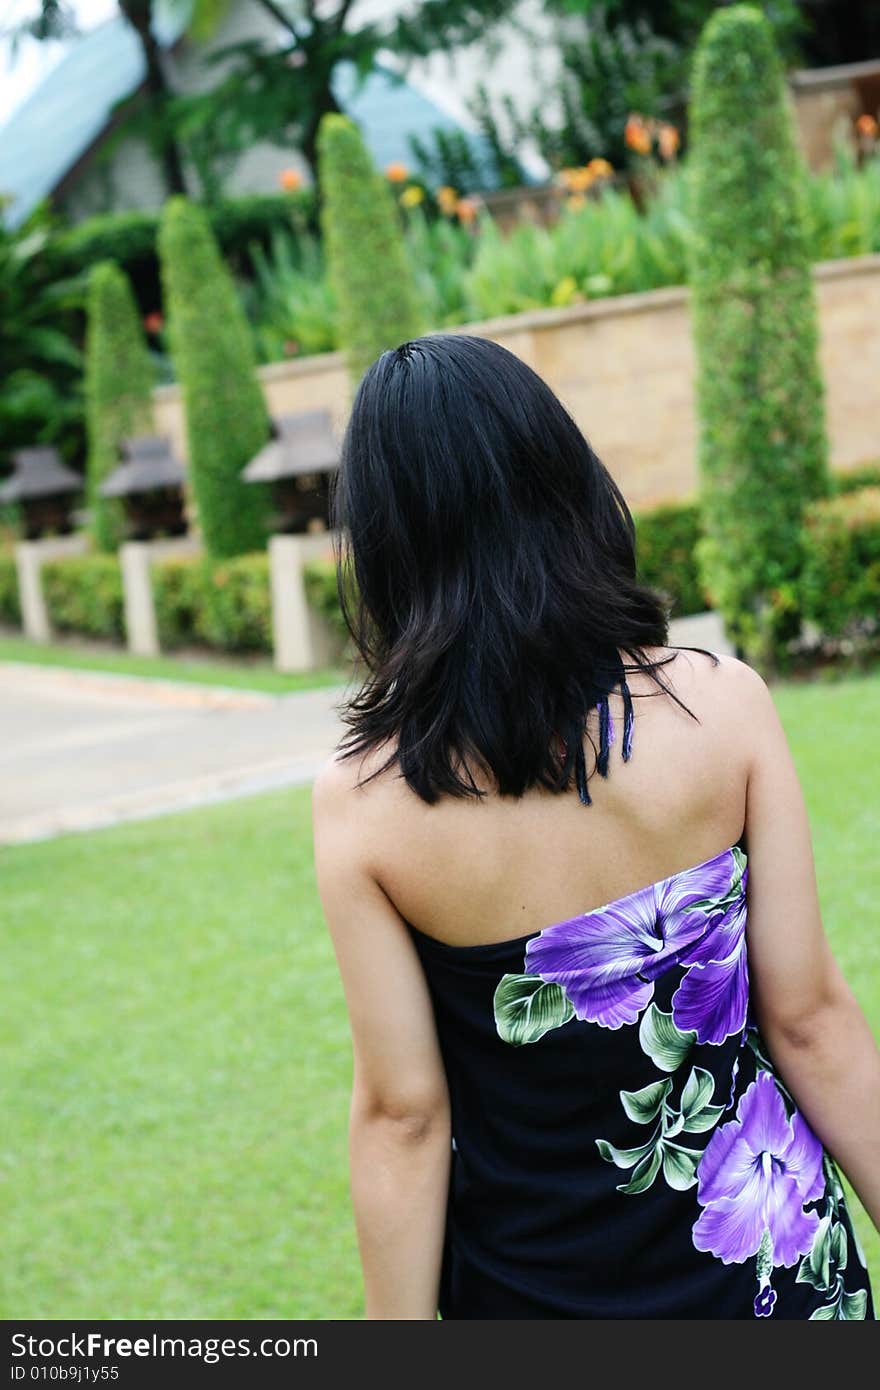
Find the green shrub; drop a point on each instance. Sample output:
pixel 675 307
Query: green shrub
pixel 179 584
pixel 321 591
pixel 226 418
pixel 237 611
pixel 119 378
pixel 374 288
pixel 10 608
pixel 83 594
pixel 760 395
pixel 225 605
pixel 840 584
pixel 666 538
pixel 865 475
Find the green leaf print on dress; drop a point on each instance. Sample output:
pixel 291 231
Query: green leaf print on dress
pixel 526 1008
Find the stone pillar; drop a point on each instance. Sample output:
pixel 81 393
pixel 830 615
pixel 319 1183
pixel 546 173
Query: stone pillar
pixel 30 556
pixel 135 559
pixel 302 639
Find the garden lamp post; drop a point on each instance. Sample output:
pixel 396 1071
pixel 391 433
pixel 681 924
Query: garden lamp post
pixel 44 488
pixel 298 461
pixel 150 480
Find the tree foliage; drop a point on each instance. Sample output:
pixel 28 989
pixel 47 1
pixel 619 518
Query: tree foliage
pixel 212 349
pixel 119 379
pixel 377 302
pixel 762 445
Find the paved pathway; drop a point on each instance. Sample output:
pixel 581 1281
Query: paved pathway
pixel 81 749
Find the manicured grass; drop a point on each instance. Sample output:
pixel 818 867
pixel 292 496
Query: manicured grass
pixel 176 1055
pixel 241 675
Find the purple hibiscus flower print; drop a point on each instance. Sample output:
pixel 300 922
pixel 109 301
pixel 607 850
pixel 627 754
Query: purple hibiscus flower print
pixel 757 1174
pixel 713 997
pixel 607 960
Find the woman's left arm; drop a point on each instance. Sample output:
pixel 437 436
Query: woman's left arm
pixel 399 1131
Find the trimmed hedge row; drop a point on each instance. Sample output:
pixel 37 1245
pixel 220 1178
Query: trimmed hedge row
pixel 10 609
pixel 199 602
pixel 225 605
pixel 840 584
pixel 83 594
pixel 665 543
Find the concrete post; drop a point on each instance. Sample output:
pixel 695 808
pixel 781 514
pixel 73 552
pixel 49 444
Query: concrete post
pixel 30 556
pixel 302 639
pixel 135 560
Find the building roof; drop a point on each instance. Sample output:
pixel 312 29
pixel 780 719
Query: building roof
pixel 71 107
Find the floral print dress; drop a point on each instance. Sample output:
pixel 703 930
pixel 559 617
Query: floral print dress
pixel 623 1145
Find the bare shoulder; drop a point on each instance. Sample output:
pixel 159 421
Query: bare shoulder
pixel 344 783
pixel 720 682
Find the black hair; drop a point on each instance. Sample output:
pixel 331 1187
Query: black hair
pixel 486 570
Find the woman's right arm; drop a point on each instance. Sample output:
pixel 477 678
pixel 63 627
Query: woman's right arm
pixel 808 1016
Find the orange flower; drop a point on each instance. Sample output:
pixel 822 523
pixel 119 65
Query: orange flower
pixel 466 210
pixel 866 125
pixel 668 141
pixel 575 202
pixel 600 168
pixel 447 200
pixel 153 322
pixel 396 172
pixel 636 134
pixel 290 180
pixel 577 180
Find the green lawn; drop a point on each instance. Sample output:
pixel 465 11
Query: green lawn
pixel 246 674
pixel 176 1051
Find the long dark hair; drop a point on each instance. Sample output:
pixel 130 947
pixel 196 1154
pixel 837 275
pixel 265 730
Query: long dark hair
pixel 486 571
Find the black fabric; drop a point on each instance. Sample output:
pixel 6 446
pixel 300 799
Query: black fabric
pixel 536 1226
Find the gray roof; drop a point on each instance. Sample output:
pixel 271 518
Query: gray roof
pixel 303 443
pixel 39 473
pixel 148 464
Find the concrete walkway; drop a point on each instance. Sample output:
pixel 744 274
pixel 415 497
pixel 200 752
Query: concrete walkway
pixel 81 749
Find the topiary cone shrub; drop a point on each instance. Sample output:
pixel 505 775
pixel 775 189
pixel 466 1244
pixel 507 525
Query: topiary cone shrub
pixel 760 397
pixel 119 379
pixel 226 417
pixel 377 301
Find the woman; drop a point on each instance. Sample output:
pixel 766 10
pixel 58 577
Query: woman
pixel 599 1038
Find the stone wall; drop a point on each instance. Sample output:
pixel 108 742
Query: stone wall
pixel 625 369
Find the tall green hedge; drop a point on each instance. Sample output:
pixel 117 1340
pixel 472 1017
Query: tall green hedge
pixel 760 395
pixel 378 304
pixel 226 417
pixel 119 378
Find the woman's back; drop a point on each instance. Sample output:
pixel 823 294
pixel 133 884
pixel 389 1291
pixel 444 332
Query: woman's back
pixel 623 1144
pixel 469 872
